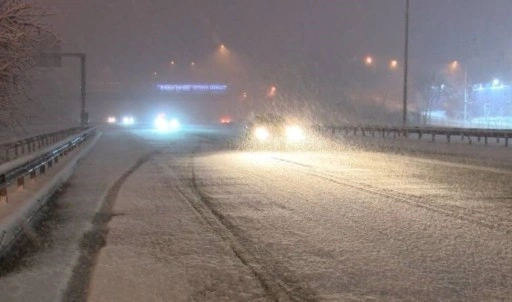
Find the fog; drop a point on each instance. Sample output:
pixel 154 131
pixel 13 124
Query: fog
pixel 313 53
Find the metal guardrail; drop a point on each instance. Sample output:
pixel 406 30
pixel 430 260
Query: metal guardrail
pixel 13 150
pixel 34 166
pixel 468 133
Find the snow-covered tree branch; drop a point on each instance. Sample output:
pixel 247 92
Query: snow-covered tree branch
pixel 21 30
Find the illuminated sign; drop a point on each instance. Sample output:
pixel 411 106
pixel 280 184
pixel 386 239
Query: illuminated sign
pixel 184 88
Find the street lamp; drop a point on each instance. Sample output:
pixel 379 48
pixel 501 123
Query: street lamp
pixel 406 60
pixel 272 91
pixel 368 60
pixel 393 64
pixel 454 66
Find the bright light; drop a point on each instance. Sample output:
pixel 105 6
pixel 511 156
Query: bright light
pixel 272 91
pixel 393 64
pixel 111 119
pixel 454 65
pixel 496 82
pixel 192 63
pixel 128 120
pixel 261 133
pixel 368 60
pixel 174 124
pixel 161 122
pixel 294 133
pixel 225 120
pixel 172 62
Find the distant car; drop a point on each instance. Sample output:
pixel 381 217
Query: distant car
pixel 274 129
pixel 225 120
pixel 128 120
pixel 163 123
pixel 111 119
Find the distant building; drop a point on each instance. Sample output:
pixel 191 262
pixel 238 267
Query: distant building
pixel 490 100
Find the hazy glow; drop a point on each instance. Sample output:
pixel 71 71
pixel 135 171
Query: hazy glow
pixel 161 122
pixel 294 133
pixel 261 133
pixel 128 120
pixel 174 124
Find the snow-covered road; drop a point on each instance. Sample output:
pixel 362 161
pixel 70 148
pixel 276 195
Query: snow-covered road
pixel 194 220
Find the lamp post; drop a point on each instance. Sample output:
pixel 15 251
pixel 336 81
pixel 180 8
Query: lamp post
pixel 454 66
pixel 465 94
pixel 406 60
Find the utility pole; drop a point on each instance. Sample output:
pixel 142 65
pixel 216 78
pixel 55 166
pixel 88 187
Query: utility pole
pixel 406 60
pixel 84 116
pixel 465 93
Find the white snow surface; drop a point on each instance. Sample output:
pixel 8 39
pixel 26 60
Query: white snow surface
pixel 201 222
pixel 327 226
pixel 44 274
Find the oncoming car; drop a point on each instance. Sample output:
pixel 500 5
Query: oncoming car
pixel 274 130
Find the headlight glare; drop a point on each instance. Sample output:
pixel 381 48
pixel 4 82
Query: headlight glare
pixel 294 133
pixel 261 133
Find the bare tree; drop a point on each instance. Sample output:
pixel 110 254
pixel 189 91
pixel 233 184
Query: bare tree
pixel 21 30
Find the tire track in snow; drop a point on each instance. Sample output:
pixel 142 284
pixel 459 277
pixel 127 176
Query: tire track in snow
pixel 278 283
pixel 416 201
pixel 95 239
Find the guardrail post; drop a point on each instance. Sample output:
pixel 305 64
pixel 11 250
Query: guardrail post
pixel 50 163
pixel 448 138
pixel 3 196
pixel 485 139
pixel 420 134
pixel 42 169
pixel 56 159
pixel 33 175
pixel 21 183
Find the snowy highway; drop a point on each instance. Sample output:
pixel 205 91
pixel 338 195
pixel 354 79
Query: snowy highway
pixel 187 217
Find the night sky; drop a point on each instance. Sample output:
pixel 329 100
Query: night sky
pixel 324 38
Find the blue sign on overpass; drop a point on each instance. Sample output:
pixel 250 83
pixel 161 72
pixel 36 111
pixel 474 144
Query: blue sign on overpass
pixel 192 88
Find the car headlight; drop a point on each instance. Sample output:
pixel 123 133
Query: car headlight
pixel 174 124
pixel 261 133
pixel 294 133
pixel 111 119
pixel 161 122
pixel 128 120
